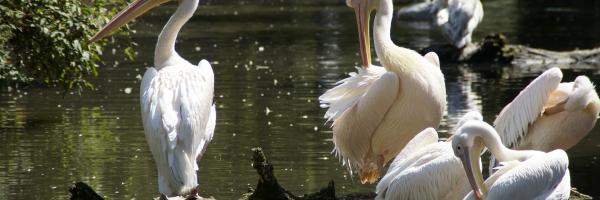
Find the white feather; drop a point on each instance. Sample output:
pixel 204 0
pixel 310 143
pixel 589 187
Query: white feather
pixel 176 111
pixel 545 176
pixel 513 121
pixel 349 90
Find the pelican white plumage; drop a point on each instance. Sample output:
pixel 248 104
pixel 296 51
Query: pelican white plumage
pixel 176 101
pixel 376 112
pixel 525 174
pixel 456 18
pixel 426 169
pixel 548 114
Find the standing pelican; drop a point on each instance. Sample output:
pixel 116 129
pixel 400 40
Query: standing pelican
pixel 376 112
pixel 176 101
pixel 426 169
pixel 456 18
pixel 525 174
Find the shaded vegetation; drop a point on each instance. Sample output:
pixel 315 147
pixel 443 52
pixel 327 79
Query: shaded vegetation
pixel 46 41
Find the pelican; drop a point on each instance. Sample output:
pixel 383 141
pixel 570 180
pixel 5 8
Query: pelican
pixel 426 169
pixel 548 114
pixel 176 101
pixel 524 174
pixel 376 112
pixel 456 18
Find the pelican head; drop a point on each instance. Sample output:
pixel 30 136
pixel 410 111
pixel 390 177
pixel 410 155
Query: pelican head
pixel 132 11
pixel 363 9
pixel 467 145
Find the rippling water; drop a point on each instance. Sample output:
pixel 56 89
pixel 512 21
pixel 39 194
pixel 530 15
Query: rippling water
pixel 271 61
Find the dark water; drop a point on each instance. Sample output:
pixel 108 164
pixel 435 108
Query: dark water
pixel 271 61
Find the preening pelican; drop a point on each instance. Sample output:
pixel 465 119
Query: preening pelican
pixel 456 18
pixel 548 114
pixel 524 174
pixel 426 169
pixel 176 101
pixel 376 112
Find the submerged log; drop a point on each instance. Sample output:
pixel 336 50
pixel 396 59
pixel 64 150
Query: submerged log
pixel 495 48
pixel 82 191
pixel 268 187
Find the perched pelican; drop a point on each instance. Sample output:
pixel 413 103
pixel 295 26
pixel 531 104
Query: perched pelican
pixel 524 174
pixel 176 101
pixel 457 18
pixel 378 111
pixel 548 114
pixel 426 169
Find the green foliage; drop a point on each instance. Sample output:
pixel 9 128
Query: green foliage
pixel 46 41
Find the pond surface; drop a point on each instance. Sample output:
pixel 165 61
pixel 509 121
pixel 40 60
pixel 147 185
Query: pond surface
pixel 271 62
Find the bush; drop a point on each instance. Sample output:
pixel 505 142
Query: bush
pixel 46 41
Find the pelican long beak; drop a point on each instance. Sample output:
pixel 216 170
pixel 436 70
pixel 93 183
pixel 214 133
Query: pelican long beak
pixel 363 9
pixel 132 11
pixel 559 107
pixel 470 162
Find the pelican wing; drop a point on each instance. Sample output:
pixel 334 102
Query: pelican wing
pixel 176 111
pixel 430 173
pixel 536 178
pixel 357 106
pixel 349 90
pixel 417 12
pixel 513 121
pixel 422 139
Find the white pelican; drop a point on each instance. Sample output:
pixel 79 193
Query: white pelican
pixel 378 111
pixel 456 18
pixel 525 174
pixel 176 100
pixel 548 114
pixel 426 169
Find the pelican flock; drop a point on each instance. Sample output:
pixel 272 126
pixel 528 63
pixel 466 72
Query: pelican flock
pixel 176 99
pixel 376 112
pixel 382 114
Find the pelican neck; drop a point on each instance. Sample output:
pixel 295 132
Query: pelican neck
pixel 165 53
pixel 493 142
pixel 382 26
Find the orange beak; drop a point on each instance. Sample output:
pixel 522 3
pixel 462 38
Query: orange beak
pixel 363 10
pixel 132 11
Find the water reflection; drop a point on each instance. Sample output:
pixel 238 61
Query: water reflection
pixel 271 61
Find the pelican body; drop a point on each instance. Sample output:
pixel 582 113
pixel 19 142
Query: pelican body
pixel 524 174
pixel 548 114
pixel 458 19
pixel 426 169
pixel 376 112
pixel 176 101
